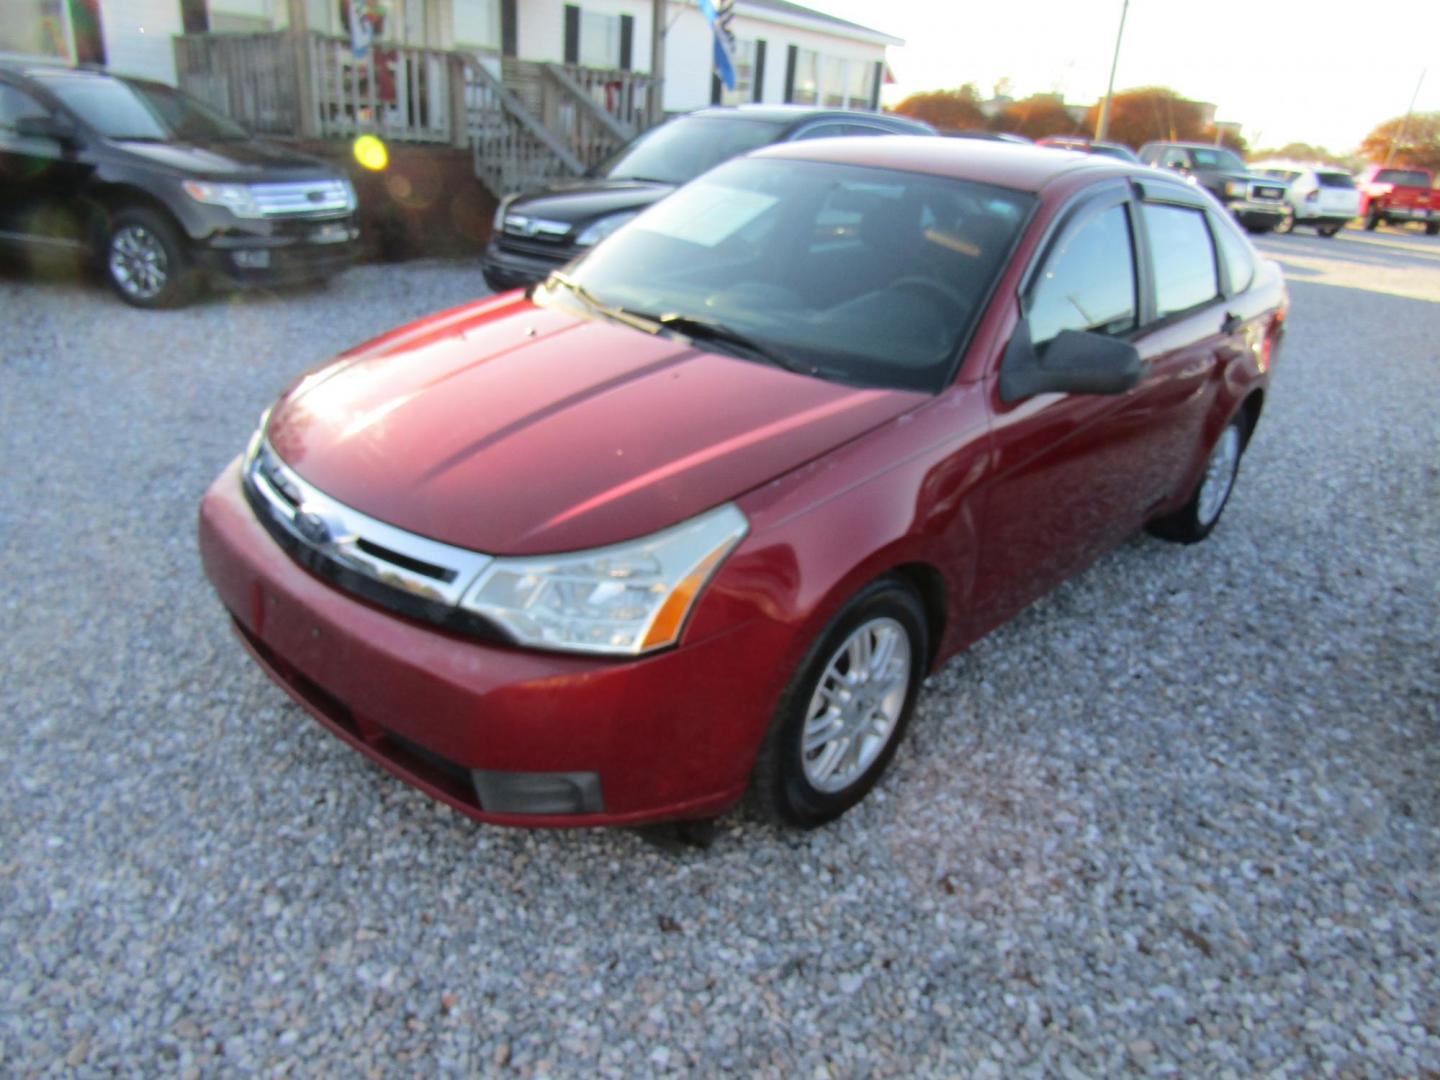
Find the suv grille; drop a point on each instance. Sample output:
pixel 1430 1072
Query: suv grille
pixel 303 198
pixel 1266 192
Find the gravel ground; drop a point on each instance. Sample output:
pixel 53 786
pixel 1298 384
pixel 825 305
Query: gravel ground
pixel 1180 817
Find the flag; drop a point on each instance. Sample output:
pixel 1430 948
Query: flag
pixel 719 13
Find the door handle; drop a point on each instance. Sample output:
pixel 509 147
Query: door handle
pixel 1232 323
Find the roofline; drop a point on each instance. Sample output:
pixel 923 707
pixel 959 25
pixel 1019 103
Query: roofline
pixel 820 22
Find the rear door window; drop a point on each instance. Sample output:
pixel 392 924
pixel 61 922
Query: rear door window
pixel 1183 256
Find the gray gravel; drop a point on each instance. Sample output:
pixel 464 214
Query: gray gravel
pixel 1180 817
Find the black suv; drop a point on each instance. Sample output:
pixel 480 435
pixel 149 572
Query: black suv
pixel 541 231
pixel 1258 202
pixel 160 188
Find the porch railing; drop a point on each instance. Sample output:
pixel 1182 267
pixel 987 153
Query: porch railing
pixel 534 123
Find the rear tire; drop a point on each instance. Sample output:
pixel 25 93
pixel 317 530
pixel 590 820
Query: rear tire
pixel 1195 520
pixel 1432 228
pixel 1329 230
pixel 144 259
pixel 845 711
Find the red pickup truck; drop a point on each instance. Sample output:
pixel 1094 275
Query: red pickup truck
pixel 1395 196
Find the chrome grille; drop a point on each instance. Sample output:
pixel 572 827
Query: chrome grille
pixel 303 198
pixel 333 532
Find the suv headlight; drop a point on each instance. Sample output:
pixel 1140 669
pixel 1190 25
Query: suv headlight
pixel 626 599
pixel 1235 188
pixel 603 228
pixel 234 197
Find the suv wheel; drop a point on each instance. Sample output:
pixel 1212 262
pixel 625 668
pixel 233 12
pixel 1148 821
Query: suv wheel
pixel 145 261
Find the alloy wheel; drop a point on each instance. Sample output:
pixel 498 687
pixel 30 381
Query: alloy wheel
pixel 856 705
pixel 138 262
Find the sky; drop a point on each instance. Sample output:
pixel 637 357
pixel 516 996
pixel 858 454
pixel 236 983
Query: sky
pixel 1286 71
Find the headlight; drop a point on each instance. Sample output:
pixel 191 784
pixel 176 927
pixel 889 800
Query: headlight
pixel 351 198
pixel 234 197
pixel 1234 188
pixel 498 225
pixel 622 600
pixel 603 228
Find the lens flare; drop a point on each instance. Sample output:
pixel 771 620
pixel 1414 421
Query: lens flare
pixel 370 152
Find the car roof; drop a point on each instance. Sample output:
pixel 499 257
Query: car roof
pixel 1021 168
pixel 794 114
pixel 1187 145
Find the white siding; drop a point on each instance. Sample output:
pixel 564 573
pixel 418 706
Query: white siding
pixel 137 37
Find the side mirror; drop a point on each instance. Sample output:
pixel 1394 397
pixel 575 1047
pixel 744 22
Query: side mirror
pixel 1074 362
pixel 44 127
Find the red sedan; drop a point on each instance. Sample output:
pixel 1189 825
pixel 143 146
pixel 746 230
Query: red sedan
pixel 696 516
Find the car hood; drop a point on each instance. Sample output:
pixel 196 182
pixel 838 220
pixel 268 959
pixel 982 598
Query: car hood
pixel 590 200
pixel 512 429
pixel 241 159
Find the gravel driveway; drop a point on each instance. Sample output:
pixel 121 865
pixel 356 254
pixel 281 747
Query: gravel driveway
pixel 1180 817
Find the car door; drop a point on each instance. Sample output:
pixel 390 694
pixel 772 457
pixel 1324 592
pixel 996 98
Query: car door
pixel 1076 473
pixel 40 176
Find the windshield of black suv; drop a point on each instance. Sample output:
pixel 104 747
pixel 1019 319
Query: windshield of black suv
pixel 681 150
pixel 862 275
pixel 1225 160
pixel 146 112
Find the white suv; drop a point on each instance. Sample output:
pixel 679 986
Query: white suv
pixel 1320 195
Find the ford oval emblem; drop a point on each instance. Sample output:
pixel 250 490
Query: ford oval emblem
pixel 313 527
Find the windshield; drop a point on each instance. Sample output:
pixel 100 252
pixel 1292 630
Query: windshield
pixel 1217 159
pixel 1403 177
pixel 681 150
pixel 142 111
pixel 862 275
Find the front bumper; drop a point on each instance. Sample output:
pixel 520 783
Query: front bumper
pixel 508 270
pixel 668 736
pixel 1255 213
pixel 297 253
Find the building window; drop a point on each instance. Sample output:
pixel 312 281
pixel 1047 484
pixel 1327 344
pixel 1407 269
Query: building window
pixel 834 81
pixel 806 89
pixel 477 24
pixel 599 40
pixel 744 91
pixel 35 28
pixel 859 76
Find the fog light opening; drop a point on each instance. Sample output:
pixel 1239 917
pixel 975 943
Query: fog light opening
pixel 538 793
pixel 251 260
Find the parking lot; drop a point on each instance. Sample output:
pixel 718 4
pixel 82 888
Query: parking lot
pixel 1179 817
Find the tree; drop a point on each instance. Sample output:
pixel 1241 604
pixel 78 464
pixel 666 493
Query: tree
pixel 1299 151
pixel 1151 112
pixel 1417 143
pixel 957 110
pixel 1037 116
pixel 1227 137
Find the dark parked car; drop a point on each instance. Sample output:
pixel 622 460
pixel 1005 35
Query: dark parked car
pixel 160 189
pixel 539 231
pixel 698 515
pixel 1258 202
pixel 1083 145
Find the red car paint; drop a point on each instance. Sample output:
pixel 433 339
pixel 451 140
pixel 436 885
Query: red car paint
pixel 1386 198
pixel 515 429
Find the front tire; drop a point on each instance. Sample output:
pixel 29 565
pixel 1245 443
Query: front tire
pixel 145 261
pixel 1195 520
pixel 1372 219
pixel 845 711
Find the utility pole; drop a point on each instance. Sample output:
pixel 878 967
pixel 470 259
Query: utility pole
pixel 1399 136
pixel 1103 127
pixel 655 95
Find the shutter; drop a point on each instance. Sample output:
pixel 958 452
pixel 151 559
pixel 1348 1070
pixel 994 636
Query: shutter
pixel 790 58
pixel 757 89
pixel 572 33
pixel 627 41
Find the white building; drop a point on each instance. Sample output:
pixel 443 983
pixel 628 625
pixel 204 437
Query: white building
pixel 785 52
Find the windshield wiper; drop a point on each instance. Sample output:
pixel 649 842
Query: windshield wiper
pixel 600 307
pixel 701 329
